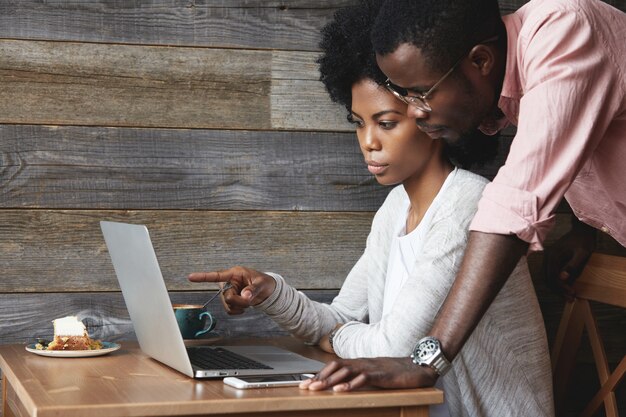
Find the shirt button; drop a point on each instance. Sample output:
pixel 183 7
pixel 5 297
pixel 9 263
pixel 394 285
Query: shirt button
pixel 605 229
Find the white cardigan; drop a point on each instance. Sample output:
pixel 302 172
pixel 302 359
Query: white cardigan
pixel 503 369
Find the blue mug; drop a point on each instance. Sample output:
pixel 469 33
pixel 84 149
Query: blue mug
pixel 193 320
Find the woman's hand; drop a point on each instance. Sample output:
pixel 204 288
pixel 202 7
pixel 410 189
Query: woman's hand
pixel 249 287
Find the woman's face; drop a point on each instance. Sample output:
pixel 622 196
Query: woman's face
pixel 395 150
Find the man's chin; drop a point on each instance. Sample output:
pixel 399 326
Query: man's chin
pixel 451 137
pixel 471 148
pixel 455 138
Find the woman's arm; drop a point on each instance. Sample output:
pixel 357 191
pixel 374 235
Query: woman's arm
pixel 414 311
pixel 310 320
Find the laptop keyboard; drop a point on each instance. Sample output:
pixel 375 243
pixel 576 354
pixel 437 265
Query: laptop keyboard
pixel 220 358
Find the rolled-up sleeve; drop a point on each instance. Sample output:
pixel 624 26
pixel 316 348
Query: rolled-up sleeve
pixel 563 114
pixel 516 214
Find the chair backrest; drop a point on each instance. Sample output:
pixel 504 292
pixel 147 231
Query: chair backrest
pixel 603 280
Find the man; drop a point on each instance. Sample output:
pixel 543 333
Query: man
pixel 557 70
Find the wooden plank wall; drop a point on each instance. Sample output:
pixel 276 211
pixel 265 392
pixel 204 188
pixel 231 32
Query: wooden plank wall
pixel 204 120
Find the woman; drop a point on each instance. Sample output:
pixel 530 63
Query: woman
pixel 391 296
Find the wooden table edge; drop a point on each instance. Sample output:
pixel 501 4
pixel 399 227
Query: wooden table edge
pixel 299 401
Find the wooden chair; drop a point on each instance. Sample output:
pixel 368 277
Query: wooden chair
pixel 603 280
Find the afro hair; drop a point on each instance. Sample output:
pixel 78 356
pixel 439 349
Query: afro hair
pixel 347 54
pixel 348 57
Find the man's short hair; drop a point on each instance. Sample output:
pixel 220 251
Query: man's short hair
pixel 443 30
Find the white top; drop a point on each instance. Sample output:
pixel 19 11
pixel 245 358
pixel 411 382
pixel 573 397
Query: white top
pixel 405 248
pixel 403 256
pixel 504 367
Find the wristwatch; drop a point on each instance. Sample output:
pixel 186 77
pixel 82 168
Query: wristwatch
pixel 331 336
pixel 428 352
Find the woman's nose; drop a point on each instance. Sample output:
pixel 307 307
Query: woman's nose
pixel 369 140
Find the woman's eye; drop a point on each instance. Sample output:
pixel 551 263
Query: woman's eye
pixel 355 122
pixel 387 125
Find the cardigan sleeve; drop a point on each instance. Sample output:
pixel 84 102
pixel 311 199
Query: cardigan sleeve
pixel 428 284
pixel 310 320
pixel 421 297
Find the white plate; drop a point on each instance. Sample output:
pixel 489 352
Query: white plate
pixel 107 347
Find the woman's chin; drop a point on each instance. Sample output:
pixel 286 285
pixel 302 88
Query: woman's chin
pixel 386 181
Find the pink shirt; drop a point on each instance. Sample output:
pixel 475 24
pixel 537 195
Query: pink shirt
pixel 564 88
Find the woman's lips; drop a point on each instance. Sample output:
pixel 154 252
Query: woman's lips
pixel 376 168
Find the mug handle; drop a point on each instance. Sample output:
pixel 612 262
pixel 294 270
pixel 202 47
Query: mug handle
pixel 209 327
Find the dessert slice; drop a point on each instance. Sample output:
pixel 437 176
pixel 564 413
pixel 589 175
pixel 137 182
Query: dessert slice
pixel 71 334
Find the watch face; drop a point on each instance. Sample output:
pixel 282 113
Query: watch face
pixel 427 348
pixel 428 352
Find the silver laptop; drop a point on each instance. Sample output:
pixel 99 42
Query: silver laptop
pixel 151 312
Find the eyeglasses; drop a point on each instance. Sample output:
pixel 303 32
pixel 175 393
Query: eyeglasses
pixel 420 101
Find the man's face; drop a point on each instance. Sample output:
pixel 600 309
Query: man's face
pixel 459 103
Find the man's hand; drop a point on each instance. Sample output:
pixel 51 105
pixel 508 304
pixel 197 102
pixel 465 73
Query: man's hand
pixel 564 261
pixel 351 374
pixel 249 287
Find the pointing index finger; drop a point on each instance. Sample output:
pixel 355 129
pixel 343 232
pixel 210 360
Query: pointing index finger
pixel 218 276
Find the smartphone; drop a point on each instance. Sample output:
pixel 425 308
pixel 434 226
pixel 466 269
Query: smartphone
pixel 266 381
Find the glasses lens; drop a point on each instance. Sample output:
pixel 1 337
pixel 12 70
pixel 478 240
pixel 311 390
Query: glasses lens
pixel 396 89
pixel 403 95
pixel 419 103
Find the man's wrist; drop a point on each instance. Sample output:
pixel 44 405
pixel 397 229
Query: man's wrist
pixel 446 345
pixel 430 373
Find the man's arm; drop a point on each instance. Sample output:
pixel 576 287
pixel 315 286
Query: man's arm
pixel 488 262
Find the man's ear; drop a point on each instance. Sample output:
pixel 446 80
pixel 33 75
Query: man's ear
pixel 483 58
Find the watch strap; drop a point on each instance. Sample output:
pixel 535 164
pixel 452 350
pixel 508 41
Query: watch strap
pixel 441 365
pixel 331 336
